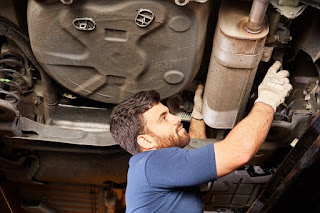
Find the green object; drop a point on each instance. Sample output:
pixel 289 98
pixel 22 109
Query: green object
pixel 4 80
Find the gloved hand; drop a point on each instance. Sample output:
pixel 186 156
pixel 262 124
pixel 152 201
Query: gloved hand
pixel 197 106
pixel 274 87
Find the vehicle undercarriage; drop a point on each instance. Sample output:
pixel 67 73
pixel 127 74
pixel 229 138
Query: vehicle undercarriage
pixel 65 64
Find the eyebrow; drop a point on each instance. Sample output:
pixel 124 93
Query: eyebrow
pixel 162 114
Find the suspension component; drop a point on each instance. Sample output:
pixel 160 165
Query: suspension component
pixel 12 69
pixel 12 86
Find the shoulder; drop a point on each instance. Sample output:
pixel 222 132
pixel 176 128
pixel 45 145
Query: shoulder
pixel 147 154
pixel 166 153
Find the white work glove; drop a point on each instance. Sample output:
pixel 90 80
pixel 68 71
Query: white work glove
pixel 274 87
pixel 197 105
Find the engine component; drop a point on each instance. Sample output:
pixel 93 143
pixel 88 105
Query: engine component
pixel 234 61
pixel 114 60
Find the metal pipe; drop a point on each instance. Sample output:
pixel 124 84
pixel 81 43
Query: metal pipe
pixel 257 13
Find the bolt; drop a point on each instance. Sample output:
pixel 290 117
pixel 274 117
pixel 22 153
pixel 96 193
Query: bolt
pixel 308 107
pixel 265 54
pixel 36 101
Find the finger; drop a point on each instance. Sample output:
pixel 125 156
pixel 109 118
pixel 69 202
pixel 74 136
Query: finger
pixel 286 80
pixel 275 67
pixel 283 73
pixel 288 87
pixel 277 80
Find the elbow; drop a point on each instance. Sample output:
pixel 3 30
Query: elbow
pixel 245 156
pixel 248 150
pixel 243 159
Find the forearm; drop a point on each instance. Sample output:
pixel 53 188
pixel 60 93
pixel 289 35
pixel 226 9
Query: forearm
pixel 247 137
pixel 197 129
pixel 244 140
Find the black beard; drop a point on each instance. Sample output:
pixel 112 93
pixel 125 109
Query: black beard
pixel 172 141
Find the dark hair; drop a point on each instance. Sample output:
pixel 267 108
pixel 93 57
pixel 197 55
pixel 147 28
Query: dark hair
pixel 126 121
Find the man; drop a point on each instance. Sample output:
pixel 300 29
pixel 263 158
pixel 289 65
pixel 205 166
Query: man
pixel 162 177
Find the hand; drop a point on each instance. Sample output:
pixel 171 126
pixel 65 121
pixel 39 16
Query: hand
pixel 197 106
pixel 274 87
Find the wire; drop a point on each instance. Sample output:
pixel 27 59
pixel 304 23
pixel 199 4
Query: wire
pixel 5 198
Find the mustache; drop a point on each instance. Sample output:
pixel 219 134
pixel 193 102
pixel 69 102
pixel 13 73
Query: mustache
pixel 179 126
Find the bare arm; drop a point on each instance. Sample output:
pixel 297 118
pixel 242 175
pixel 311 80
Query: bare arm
pixel 197 129
pixel 244 140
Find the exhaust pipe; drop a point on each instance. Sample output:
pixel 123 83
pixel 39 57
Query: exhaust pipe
pixel 237 50
pixel 257 12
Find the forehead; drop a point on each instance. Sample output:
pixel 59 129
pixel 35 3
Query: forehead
pixel 154 112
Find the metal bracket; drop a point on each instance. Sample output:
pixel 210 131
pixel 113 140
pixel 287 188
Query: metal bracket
pixel 267 53
pixel 40 132
pixel 288 11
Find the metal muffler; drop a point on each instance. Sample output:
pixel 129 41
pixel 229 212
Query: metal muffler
pixel 237 51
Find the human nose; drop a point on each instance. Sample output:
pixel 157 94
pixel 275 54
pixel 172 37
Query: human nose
pixel 174 119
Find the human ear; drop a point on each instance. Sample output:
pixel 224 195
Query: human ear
pixel 146 142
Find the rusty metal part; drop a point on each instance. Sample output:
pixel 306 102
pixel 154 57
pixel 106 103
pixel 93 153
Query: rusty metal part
pixel 267 53
pixel 256 17
pixel 234 60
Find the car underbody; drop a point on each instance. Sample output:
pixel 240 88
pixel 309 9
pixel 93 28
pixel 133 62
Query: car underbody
pixel 65 65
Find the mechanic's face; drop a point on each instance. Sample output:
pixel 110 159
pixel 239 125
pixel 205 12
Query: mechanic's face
pixel 166 129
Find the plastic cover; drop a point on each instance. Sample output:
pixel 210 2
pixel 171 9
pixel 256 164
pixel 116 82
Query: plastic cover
pixel 117 58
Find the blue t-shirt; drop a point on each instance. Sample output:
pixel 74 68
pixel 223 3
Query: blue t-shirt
pixel 166 180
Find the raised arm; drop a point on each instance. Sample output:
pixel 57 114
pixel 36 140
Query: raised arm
pixel 197 129
pixel 247 136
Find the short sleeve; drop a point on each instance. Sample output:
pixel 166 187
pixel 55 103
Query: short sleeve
pixel 175 167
